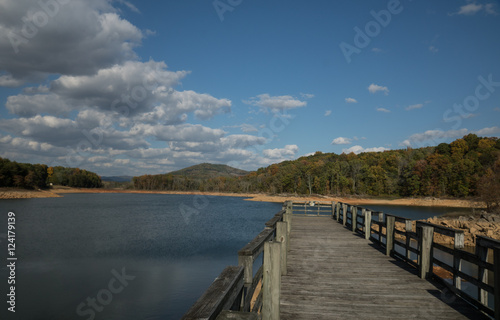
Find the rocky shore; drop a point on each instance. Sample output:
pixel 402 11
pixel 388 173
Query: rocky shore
pixel 482 223
pixel 10 193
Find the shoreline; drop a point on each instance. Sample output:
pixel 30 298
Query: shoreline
pixel 10 193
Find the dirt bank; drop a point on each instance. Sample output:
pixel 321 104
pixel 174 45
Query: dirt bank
pixel 9 193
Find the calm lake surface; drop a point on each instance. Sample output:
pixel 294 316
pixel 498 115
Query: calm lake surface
pixel 129 256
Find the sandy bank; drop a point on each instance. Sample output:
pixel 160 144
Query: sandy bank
pixel 8 193
pixel 11 193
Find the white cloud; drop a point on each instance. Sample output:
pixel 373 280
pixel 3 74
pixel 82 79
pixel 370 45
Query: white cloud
pixel 341 140
pixel 328 112
pixel 359 149
pixel 351 100
pixel 488 131
pixel 414 106
pixel 283 153
pixel 275 103
pixel 374 88
pixel 383 110
pixel 473 8
pixel 307 95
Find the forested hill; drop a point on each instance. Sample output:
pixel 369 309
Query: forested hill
pixel 456 169
pixel 40 176
pixel 208 170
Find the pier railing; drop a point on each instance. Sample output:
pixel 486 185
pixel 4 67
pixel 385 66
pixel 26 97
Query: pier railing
pixel 396 235
pixel 240 292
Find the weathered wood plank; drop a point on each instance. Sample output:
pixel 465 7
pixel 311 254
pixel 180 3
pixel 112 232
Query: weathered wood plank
pixel 333 274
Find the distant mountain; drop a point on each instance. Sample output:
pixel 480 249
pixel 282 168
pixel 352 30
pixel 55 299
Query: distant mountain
pixel 208 170
pixel 117 178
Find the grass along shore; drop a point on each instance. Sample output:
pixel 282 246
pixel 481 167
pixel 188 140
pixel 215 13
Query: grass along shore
pixel 58 191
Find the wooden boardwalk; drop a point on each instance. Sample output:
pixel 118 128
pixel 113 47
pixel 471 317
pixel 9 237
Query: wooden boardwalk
pixel 335 274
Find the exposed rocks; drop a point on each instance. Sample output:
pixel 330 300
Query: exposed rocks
pixel 484 224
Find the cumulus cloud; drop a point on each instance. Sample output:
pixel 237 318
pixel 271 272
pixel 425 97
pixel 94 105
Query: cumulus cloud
pixel 383 110
pixel 351 100
pixel 286 152
pixel 473 8
pixel 359 149
pixel 414 106
pixel 434 137
pixel 341 140
pixel 374 88
pixel 90 36
pixel 307 95
pixel 275 103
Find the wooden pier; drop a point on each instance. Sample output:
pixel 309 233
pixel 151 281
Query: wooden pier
pixel 337 261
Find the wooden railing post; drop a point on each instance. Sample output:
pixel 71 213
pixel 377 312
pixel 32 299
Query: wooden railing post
pixel 496 276
pixel 344 214
pixel 247 263
pixel 354 217
pixel 426 238
pixel 457 262
pixel 287 217
pixel 282 237
pixel 381 220
pixel 337 209
pixel 271 283
pixel 368 224
pixel 333 209
pixel 482 273
pixel 389 237
pixel 408 228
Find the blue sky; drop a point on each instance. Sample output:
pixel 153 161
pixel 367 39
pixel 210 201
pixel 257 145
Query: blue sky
pixel 136 87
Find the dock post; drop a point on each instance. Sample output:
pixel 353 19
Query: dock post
pixel 344 214
pixel 496 285
pixel 271 283
pixel 287 217
pixel 333 209
pixel 408 228
pixel 457 262
pixel 337 209
pixel 368 224
pixel 482 273
pixel 354 218
pixel 247 263
pixel 426 235
pixel 282 237
pixel 389 237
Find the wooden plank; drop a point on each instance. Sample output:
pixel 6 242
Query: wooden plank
pixel 236 315
pixel 282 237
pixel 328 278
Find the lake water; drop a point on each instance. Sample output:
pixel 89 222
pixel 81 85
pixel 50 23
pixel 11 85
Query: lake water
pixel 128 256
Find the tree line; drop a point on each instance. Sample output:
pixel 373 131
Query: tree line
pixel 456 169
pixel 40 176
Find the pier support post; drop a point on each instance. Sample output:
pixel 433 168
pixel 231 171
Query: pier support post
pixel 354 218
pixel 337 209
pixel 282 237
pixel 457 262
pixel 344 214
pixel 389 237
pixel 368 224
pixel 271 283
pixel 426 238
pixel 247 263
pixel 482 273
pixel 333 209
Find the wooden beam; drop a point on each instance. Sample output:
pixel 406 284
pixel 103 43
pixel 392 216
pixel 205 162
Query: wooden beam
pixel 426 240
pixel 390 235
pixel 482 273
pixel 271 283
pixel 282 237
pixel 368 224
pixel 496 285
